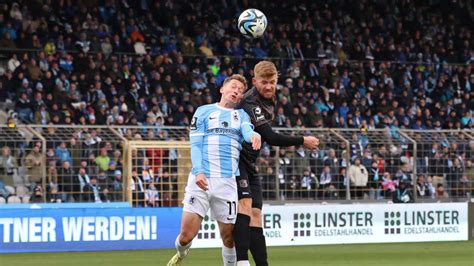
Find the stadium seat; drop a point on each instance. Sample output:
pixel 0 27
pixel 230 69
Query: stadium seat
pixel 13 199
pixel 22 191
pixel 2 200
pixel 25 199
pixel 10 189
pixel 19 178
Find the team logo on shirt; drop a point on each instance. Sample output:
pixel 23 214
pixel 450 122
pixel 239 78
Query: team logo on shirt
pixel 257 112
pixel 236 116
pixel 225 124
pixel 243 183
pixel 193 123
pixel 192 199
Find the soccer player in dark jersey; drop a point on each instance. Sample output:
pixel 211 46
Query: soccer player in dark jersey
pixel 259 103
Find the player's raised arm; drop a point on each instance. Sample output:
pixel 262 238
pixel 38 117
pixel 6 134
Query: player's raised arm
pixel 196 137
pixel 249 134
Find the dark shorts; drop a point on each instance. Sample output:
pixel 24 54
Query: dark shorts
pixel 249 185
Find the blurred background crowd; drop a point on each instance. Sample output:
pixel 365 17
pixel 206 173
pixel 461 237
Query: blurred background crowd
pixel 343 64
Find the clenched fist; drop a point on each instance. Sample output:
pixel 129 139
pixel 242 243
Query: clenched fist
pixel 311 142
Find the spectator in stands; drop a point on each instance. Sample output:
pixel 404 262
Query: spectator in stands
pixel 358 177
pixel 42 116
pixel 152 195
pixel 103 160
pixel 332 161
pixel 138 190
pixel 341 185
pixel 464 187
pixel 440 192
pixel 404 173
pixel 104 181
pixel 66 183
pixel 8 166
pixel 3 190
pixel 285 171
pixel 23 106
pixel 34 162
pixel 76 152
pixel 63 154
pixel 37 195
pixel 301 161
pixel 93 192
pixel 269 185
pixel 326 184
pixel 309 184
pixel 423 189
pixel 83 179
pixel 117 186
pixel 374 180
pixel 403 193
pixel 52 186
pixel 454 176
pixel 167 187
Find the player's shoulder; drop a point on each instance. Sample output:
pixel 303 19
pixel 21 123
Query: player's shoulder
pixel 250 96
pixel 206 108
pixel 241 112
pixel 249 101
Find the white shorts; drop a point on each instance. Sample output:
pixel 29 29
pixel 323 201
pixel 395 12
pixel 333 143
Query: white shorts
pixel 221 198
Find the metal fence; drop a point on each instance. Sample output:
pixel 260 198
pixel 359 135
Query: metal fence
pixel 76 164
pixel 22 165
pixel 159 172
pixel 444 159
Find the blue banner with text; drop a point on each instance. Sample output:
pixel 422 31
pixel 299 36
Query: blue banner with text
pixel 82 229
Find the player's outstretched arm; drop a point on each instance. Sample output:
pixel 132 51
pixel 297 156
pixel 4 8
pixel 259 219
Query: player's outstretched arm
pixel 276 139
pixel 249 134
pixel 196 137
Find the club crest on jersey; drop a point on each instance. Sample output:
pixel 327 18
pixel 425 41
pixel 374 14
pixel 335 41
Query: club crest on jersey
pixel 193 123
pixel 235 116
pixel 192 199
pixel 257 112
pixel 243 183
pixel 225 124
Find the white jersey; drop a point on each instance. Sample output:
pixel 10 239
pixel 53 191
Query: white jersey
pixel 216 140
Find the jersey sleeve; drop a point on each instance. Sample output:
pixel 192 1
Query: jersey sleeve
pixel 196 136
pixel 246 126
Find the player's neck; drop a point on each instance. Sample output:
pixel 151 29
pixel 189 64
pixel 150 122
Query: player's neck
pixel 227 105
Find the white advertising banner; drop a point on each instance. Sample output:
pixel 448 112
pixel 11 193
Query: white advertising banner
pixel 355 223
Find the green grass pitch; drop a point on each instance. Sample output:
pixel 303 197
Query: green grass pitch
pixel 400 254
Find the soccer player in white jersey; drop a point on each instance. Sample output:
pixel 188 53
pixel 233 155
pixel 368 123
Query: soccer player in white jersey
pixel 217 132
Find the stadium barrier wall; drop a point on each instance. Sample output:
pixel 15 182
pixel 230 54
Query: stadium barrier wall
pixel 358 223
pixel 85 227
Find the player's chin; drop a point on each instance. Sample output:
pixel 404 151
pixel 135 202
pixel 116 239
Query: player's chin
pixel 234 102
pixel 268 95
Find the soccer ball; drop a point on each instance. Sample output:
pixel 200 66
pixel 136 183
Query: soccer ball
pixel 252 23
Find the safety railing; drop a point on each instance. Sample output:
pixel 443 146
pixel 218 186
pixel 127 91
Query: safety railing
pixel 101 163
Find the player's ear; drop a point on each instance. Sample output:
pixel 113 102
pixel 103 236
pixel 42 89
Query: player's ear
pixel 254 81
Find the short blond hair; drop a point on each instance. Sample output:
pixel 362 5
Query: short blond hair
pixel 265 69
pixel 237 77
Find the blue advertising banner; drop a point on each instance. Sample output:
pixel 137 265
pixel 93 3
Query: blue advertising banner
pixel 85 228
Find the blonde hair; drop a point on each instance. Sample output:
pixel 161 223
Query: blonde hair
pixel 237 77
pixel 265 69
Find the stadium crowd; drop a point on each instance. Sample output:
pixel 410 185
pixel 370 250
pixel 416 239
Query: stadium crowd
pixel 343 64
